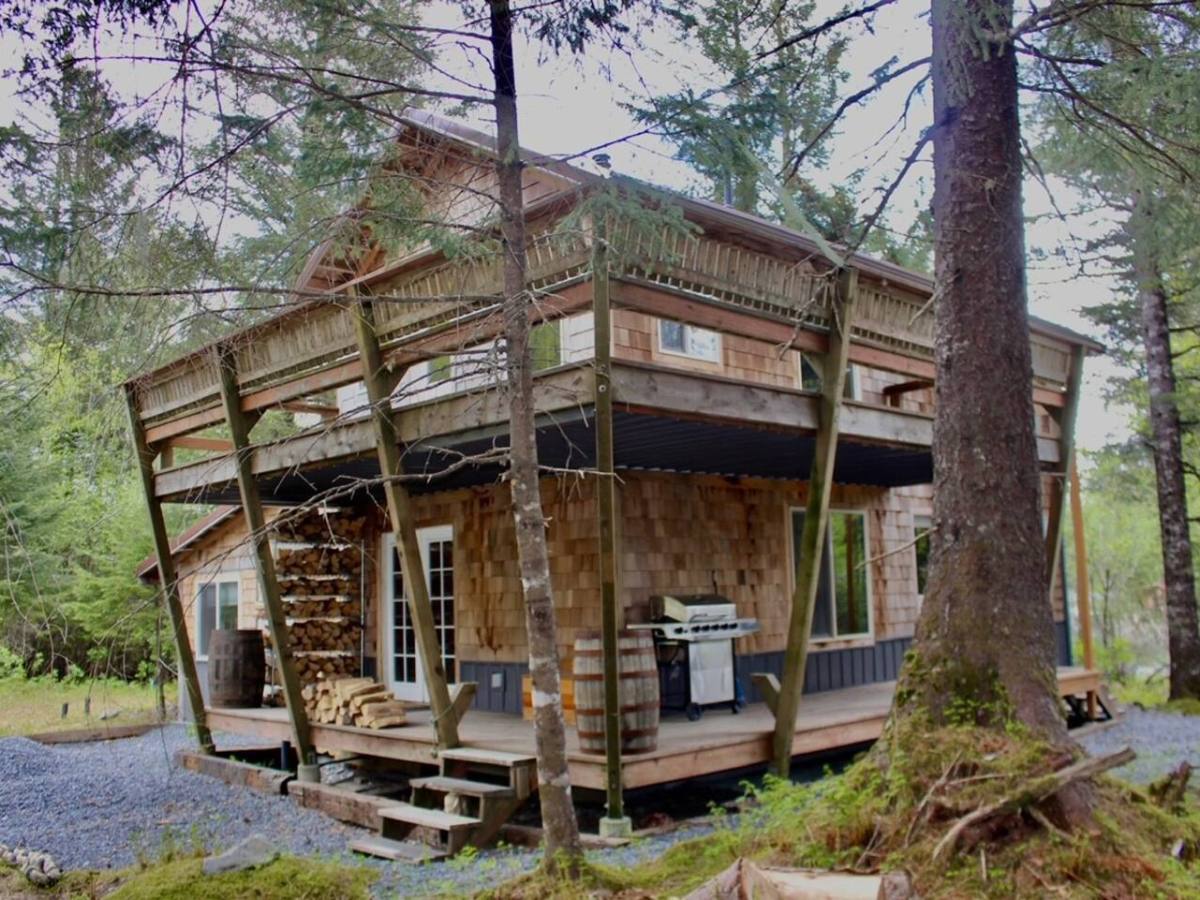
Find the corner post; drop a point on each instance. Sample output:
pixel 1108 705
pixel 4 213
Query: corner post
pixel 1058 497
pixel 606 501
pixel 1083 596
pixel 167 576
pixel 239 429
pixel 380 384
pixel 816 517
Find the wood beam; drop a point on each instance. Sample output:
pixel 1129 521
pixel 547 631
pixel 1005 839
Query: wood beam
pixel 1058 490
pixel 893 392
pixel 240 423
pixel 191 442
pixel 321 409
pixel 145 454
pixel 1083 593
pixel 380 383
pixel 812 536
pixel 606 502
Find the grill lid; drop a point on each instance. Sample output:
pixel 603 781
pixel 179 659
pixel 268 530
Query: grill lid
pixel 692 607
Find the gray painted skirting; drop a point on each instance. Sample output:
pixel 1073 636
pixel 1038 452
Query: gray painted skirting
pixel 499 683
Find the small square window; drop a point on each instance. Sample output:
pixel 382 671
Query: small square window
pixel 688 340
pixel 216 607
pixel 441 368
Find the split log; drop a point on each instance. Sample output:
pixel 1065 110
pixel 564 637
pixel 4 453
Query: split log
pixel 1169 791
pixel 1034 792
pixel 353 701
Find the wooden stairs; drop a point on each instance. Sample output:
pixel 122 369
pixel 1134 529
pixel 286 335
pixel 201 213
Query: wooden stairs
pixel 476 792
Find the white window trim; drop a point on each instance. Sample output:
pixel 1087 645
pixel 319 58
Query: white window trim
pixel 720 349
pixel 853 374
pixel 216 581
pixel 860 636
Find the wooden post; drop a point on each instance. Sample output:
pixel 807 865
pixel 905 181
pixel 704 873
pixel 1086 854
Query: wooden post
pixel 380 384
pixel 606 501
pixel 1058 496
pixel 166 574
pixel 812 537
pixel 1083 595
pixel 239 429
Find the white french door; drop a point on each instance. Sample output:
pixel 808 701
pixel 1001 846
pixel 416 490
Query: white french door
pixel 403 663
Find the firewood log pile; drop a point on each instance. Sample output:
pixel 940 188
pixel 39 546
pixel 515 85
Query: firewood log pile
pixel 352 701
pixel 316 527
pixel 317 587
pixel 316 635
pixel 312 668
pixel 318 560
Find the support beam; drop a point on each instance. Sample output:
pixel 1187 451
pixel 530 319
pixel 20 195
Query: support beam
pixel 606 502
pixel 167 577
pixel 1083 594
pixel 240 424
pixel 380 383
pixel 812 537
pixel 1058 490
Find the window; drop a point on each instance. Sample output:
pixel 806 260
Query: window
pixel 921 526
pixel 216 607
pixel 843 607
pixel 545 345
pixel 688 340
pixel 811 369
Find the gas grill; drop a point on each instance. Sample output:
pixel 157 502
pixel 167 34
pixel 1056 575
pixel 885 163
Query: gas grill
pixel 697 665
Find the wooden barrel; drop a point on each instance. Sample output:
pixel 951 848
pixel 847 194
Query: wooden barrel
pixel 638 692
pixel 237 668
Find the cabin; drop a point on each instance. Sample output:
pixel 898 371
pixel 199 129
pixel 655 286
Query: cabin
pixel 689 375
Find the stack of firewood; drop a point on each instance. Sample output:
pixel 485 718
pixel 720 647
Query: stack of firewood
pixel 352 701
pixel 334 607
pixel 310 668
pixel 320 528
pixel 316 635
pixel 317 587
pixel 318 560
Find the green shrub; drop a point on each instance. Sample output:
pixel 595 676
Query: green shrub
pixel 10 664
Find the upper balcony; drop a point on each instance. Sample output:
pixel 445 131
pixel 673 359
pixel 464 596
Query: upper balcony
pixel 718 342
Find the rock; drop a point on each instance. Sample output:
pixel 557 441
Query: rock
pixel 897 886
pixel 251 853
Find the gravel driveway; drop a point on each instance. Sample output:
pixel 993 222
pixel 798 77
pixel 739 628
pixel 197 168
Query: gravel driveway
pixel 1162 741
pixel 104 805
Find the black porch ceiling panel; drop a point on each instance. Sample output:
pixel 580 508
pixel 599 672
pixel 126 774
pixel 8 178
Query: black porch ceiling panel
pixel 653 442
pixel 566 440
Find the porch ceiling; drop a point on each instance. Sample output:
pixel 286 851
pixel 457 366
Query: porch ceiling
pixel 644 441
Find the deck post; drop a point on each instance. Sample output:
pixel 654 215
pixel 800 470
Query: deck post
pixel 1058 490
pixel 615 824
pixel 240 424
pixel 167 576
pixel 1083 597
pixel 380 384
pixel 812 537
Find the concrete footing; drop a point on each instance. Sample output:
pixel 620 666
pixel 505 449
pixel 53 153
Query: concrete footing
pixel 616 828
pixel 309 773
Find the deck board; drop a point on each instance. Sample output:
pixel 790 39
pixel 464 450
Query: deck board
pixel 720 741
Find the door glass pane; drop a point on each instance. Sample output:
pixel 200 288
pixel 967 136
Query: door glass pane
pixel 228 613
pixel 822 625
pixel 206 599
pixel 848 540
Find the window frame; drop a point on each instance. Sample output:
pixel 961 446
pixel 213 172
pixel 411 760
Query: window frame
pixel 859 637
pixel 816 361
pixel 687 327
pixel 215 583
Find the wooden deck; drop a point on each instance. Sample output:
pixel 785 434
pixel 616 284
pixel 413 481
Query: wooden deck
pixel 719 742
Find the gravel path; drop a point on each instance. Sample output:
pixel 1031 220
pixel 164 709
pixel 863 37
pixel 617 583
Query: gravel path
pixel 1162 741
pixel 105 805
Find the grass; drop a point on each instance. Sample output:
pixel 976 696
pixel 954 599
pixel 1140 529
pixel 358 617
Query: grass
pixel 32 705
pixel 288 878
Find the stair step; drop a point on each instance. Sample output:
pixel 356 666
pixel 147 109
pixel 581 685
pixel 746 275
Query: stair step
pixel 462 786
pixel 483 757
pixel 427 818
pixel 400 851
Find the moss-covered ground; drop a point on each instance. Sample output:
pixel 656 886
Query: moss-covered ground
pixel 869 819
pixel 1152 694
pixel 288 878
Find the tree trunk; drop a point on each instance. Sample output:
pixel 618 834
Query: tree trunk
pixel 1183 629
pixel 563 849
pixel 985 647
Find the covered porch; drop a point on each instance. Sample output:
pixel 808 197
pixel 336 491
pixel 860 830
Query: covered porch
pixel 718 742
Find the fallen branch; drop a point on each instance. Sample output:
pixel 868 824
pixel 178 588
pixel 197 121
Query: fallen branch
pixel 1035 792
